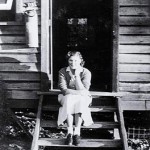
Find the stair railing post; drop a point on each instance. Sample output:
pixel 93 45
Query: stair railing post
pixel 123 133
pixel 116 133
pixel 34 145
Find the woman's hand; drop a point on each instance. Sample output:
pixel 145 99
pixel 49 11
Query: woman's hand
pixel 77 72
pixel 84 92
pixel 77 92
pixel 78 83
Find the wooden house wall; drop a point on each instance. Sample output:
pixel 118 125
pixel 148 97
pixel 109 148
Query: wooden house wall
pixel 134 53
pixel 19 65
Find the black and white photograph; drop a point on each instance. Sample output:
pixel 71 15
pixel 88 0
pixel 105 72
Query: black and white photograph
pixel 74 74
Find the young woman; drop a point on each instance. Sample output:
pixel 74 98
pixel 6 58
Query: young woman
pixel 74 82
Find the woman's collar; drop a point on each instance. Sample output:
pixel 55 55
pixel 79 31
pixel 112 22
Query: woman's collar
pixel 80 69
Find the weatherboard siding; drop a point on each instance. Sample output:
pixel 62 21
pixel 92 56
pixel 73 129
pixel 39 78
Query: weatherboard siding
pixel 134 53
pixel 19 65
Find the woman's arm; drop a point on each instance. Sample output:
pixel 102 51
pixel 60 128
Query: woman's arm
pixel 81 86
pixel 78 83
pixel 76 92
pixel 62 83
pixel 85 82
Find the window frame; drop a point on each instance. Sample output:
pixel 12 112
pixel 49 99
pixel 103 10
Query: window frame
pixel 7 5
pixel 18 12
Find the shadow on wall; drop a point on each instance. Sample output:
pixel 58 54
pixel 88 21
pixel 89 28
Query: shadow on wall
pixel 21 80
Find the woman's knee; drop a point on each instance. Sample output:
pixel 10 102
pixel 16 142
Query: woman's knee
pixel 67 99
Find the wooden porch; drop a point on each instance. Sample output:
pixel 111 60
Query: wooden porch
pixel 110 104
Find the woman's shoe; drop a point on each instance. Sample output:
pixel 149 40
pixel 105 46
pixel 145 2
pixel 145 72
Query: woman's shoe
pixel 76 140
pixel 69 139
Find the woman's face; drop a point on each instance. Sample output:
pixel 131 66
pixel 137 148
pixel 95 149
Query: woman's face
pixel 74 62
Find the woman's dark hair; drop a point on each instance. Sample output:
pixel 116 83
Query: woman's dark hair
pixel 73 53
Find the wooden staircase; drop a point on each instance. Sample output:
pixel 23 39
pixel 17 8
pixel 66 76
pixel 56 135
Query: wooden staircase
pixel 104 103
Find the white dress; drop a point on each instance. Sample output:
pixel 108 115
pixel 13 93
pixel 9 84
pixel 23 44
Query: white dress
pixel 73 104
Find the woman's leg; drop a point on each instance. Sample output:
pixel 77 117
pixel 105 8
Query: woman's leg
pixel 69 139
pixel 78 122
pixel 70 123
pixel 67 110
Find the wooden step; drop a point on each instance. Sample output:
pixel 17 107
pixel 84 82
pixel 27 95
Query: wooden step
pixel 101 143
pixel 93 93
pixel 106 104
pixel 96 125
pixel 93 108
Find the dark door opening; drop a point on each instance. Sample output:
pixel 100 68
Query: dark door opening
pixel 85 26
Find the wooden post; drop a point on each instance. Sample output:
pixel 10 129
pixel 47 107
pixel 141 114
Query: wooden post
pixel 123 133
pixel 34 145
pixel 115 46
pixel 1 98
pixel 45 44
pixel 19 10
pixel 116 131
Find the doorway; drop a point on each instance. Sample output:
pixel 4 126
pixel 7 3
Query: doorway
pixel 85 26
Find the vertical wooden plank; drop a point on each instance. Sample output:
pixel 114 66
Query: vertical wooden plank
pixel 19 10
pixel 123 133
pixel 45 44
pixel 147 103
pixel 34 145
pixel 51 45
pixel 115 46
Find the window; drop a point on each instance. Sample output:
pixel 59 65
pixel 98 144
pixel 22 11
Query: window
pixel 6 4
pixel 7 10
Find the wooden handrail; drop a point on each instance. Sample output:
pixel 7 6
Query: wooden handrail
pixel 34 145
pixel 123 133
pixel 93 93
